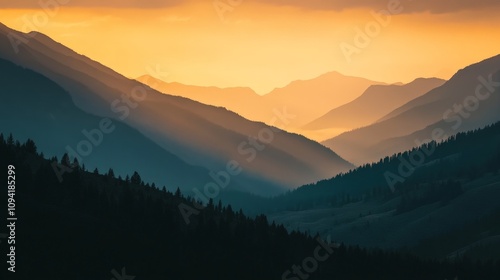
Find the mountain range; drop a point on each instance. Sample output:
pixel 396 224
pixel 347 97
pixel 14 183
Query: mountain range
pixel 467 101
pixel 431 203
pixel 412 168
pixel 367 108
pixel 270 159
pixel 322 93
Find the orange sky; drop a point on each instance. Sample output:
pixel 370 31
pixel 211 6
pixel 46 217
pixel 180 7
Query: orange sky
pixel 263 45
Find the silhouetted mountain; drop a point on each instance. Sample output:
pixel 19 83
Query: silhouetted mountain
pixel 467 101
pixel 94 226
pixel 376 101
pixel 198 134
pixel 35 107
pixel 243 101
pixel 322 93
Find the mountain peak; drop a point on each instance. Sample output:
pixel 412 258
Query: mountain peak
pixel 422 79
pixel 4 28
pixel 485 63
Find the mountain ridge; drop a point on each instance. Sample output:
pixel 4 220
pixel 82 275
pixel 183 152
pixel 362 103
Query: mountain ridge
pixel 365 109
pixel 198 134
pixel 366 144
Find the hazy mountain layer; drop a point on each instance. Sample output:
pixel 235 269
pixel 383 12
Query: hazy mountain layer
pixel 211 137
pixel 468 100
pixel 376 101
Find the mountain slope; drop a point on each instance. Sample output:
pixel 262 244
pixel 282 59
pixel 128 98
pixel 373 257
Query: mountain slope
pixel 310 99
pixel 35 107
pixel 198 134
pixel 442 108
pixel 403 199
pixel 322 94
pixel 137 230
pixel 376 101
pixel 243 101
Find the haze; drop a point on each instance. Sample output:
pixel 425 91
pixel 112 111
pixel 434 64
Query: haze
pixel 264 45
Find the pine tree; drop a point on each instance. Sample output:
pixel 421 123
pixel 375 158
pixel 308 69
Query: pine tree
pixel 65 160
pixel 30 146
pixel 136 178
pixel 177 192
pixel 76 164
pixel 10 140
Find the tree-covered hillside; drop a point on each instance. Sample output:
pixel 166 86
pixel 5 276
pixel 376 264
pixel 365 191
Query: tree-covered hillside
pixel 92 225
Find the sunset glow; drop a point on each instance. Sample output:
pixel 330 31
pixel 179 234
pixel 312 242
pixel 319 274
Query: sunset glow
pixel 264 46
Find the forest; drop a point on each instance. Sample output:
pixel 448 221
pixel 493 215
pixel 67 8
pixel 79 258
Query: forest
pixel 93 225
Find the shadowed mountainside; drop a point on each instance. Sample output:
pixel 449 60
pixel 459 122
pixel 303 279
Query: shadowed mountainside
pixel 437 204
pixel 196 133
pixel 35 107
pixel 94 226
pixel 437 114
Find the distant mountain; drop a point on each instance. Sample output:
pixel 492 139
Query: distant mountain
pixel 322 94
pixel 376 101
pixel 310 99
pixel 243 101
pixel 198 134
pixel 468 100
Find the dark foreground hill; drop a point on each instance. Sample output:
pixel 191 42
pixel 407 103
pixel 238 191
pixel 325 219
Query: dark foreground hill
pixel 95 226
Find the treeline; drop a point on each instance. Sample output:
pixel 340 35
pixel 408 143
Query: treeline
pixel 87 225
pixel 463 157
pixel 423 194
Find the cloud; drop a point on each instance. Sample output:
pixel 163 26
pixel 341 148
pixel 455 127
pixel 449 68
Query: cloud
pixel 144 4
pixel 81 24
pixel 409 6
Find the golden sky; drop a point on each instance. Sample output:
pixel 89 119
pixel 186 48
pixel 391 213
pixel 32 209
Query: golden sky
pixel 267 44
